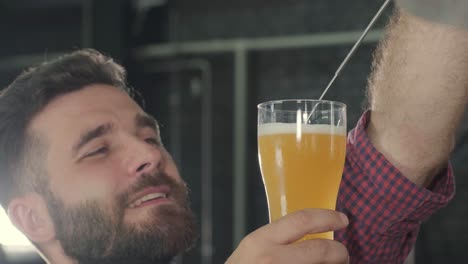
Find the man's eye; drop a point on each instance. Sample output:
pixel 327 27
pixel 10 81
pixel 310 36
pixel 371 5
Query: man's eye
pixel 153 141
pixel 98 151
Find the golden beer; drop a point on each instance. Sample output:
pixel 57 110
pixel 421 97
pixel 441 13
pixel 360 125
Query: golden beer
pixel 301 166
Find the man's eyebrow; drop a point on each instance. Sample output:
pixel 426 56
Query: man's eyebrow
pixel 145 120
pixel 89 135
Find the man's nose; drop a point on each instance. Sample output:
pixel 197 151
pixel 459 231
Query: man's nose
pixel 143 158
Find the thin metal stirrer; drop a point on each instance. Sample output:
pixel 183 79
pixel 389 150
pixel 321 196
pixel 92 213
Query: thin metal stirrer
pixel 351 52
pixel 356 45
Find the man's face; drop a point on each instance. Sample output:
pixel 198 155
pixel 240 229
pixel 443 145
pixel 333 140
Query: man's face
pixel 114 194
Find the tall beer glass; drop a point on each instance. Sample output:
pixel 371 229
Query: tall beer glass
pixel 301 149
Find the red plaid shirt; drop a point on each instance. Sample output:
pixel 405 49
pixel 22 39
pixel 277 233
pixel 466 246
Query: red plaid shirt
pixel 385 209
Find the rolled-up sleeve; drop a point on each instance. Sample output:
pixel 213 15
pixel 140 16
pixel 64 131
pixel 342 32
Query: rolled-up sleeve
pixel 384 207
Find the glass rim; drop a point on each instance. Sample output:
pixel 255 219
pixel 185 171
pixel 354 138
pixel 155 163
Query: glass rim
pixel 263 105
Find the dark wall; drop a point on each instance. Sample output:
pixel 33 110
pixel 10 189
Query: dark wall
pixel 29 29
pixel 208 19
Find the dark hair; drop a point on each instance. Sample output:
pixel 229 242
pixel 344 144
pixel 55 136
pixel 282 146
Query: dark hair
pixel 29 94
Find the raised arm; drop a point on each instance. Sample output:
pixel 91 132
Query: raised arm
pixel 418 92
pixel 417 96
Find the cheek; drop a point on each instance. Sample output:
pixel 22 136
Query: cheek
pixel 96 181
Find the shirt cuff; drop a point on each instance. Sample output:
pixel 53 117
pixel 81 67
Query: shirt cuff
pixel 401 202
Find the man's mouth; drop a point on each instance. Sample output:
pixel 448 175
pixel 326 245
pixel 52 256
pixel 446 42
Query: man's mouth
pixel 150 196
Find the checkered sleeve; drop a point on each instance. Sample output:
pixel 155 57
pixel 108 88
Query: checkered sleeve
pixel 385 209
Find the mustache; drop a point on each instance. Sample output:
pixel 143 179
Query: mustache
pixel 146 181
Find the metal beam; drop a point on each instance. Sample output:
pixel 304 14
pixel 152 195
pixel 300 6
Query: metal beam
pixel 240 143
pixel 87 24
pixel 24 61
pixel 266 43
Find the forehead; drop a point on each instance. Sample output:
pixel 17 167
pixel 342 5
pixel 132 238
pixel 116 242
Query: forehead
pixel 83 108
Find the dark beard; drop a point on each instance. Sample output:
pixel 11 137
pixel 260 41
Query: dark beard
pixel 91 233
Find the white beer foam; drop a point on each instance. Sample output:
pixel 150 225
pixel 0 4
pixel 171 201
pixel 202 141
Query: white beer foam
pixel 291 128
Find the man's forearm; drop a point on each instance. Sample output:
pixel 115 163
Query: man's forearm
pixel 418 91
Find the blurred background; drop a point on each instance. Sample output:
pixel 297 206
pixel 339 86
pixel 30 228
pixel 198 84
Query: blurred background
pixel 202 67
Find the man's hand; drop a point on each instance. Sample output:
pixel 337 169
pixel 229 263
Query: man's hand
pixel 451 12
pixel 274 243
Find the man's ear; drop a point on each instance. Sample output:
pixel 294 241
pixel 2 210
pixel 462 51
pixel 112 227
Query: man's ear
pixel 30 215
